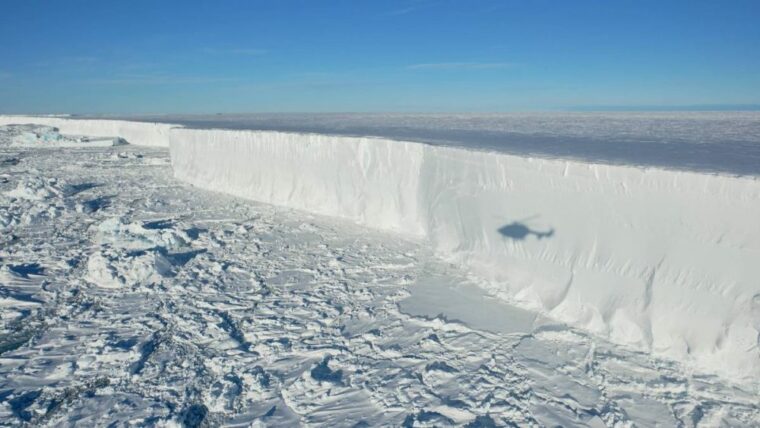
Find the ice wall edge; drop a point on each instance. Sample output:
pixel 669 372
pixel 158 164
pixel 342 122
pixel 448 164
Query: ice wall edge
pixel 137 133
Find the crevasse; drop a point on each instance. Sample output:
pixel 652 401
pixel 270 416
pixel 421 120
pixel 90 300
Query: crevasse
pixel 665 261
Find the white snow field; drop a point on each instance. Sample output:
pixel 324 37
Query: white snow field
pixel 467 287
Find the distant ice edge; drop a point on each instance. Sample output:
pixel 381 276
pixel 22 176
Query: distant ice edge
pixel 138 133
pixel 665 261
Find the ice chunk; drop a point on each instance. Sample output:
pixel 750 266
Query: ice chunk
pixel 116 268
pixel 120 233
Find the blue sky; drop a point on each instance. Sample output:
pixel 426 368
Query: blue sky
pixel 184 56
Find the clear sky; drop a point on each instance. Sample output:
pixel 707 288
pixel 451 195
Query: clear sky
pixel 175 56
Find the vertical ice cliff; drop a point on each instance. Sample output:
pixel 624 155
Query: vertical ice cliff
pixel 369 181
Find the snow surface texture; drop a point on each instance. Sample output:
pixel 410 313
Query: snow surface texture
pixel 130 299
pixel 660 260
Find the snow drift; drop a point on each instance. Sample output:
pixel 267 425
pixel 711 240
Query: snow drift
pixel 665 261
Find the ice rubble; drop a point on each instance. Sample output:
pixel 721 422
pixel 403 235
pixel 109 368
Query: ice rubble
pixel 133 253
pixel 117 268
pixel 33 200
pixel 139 236
pixel 660 260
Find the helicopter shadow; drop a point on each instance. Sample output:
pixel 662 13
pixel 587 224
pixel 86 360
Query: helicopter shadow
pixel 519 231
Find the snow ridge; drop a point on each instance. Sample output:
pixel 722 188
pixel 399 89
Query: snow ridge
pixel 664 261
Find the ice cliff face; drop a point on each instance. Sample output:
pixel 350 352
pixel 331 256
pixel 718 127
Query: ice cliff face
pixel 369 181
pixel 664 261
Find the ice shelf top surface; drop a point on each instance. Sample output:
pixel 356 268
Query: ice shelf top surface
pixel 723 142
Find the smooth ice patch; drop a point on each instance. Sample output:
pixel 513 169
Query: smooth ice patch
pixel 436 296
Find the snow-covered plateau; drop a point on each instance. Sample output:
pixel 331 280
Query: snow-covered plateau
pixel 571 292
